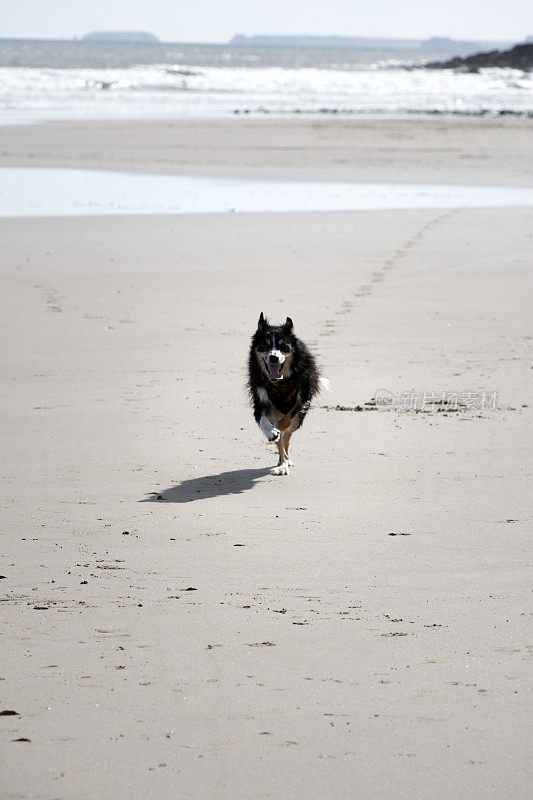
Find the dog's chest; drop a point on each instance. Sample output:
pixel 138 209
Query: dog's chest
pixel 282 395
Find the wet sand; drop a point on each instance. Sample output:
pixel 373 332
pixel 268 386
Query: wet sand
pixel 179 623
pixel 424 150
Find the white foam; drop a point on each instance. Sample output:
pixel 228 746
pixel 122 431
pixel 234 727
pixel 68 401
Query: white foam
pixel 166 90
pixel 37 192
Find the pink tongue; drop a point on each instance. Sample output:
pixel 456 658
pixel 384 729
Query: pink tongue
pixel 274 372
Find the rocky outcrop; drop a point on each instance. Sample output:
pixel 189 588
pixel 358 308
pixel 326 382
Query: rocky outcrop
pixel 518 57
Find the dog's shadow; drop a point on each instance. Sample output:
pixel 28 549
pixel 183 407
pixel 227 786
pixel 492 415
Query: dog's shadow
pixel 224 483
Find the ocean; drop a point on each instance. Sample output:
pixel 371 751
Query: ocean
pixel 51 80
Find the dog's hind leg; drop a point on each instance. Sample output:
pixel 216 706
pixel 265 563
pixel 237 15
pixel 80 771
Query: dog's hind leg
pixel 285 462
pixel 286 440
pixel 286 436
pixel 282 467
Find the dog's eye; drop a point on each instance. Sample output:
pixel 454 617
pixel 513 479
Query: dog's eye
pixel 263 345
pixel 283 346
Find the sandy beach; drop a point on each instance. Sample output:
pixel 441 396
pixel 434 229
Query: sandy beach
pixel 178 623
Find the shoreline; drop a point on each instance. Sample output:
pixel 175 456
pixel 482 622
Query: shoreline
pixel 261 114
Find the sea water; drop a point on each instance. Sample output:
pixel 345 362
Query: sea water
pixel 38 192
pixel 90 80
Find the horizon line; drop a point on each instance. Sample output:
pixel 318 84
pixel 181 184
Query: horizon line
pixel 79 38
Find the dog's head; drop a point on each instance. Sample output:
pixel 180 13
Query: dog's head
pixel 273 346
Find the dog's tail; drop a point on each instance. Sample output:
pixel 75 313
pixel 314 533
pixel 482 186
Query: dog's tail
pixel 325 383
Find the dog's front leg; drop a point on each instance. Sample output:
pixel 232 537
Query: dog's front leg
pixel 272 434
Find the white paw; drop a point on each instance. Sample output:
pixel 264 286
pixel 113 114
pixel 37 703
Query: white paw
pixel 281 469
pixel 274 435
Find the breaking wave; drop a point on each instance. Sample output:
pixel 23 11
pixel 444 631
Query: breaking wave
pixel 176 90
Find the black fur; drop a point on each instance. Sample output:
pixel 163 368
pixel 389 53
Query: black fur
pixel 294 393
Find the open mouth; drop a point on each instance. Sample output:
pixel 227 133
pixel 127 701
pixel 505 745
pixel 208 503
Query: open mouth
pixel 274 371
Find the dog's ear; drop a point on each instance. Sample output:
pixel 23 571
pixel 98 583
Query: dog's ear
pixel 288 324
pixel 262 322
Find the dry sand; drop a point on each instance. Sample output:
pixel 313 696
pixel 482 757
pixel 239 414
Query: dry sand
pixel 246 637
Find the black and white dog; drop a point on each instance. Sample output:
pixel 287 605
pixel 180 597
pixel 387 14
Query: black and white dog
pixel 283 379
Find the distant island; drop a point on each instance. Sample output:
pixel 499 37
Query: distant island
pixel 444 43
pixel 127 37
pixel 434 43
pixel 518 57
pixel 319 41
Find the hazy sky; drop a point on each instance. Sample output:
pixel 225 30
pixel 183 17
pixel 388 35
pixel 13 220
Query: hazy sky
pixel 218 20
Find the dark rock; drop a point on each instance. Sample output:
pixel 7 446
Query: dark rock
pixel 518 57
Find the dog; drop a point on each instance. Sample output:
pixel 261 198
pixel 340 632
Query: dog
pixel 283 379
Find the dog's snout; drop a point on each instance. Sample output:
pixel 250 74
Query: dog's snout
pixel 274 359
